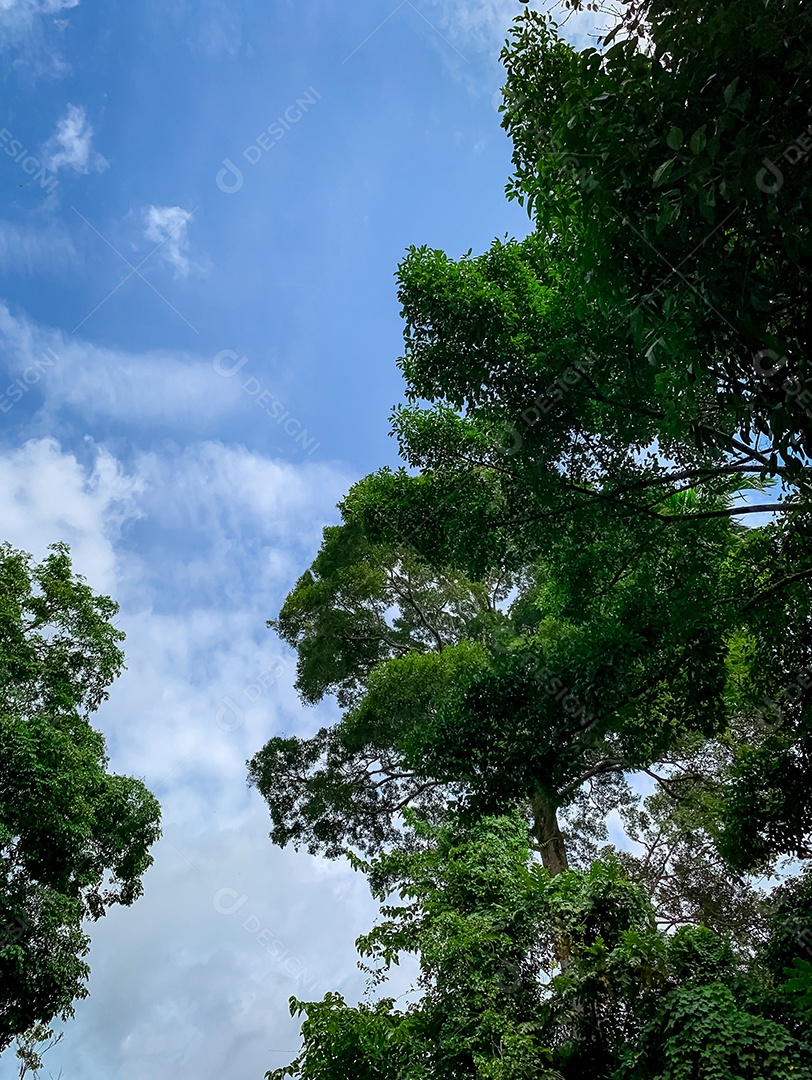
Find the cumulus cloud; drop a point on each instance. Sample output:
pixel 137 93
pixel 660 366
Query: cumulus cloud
pixel 200 546
pixel 47 495
pixel 69 147
pixel 167 226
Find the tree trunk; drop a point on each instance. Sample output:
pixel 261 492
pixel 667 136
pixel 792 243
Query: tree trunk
pixel 547 834
pixel 553 854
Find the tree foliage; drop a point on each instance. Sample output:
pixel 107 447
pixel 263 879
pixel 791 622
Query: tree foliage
pixel 74 838
pixel 637 648
pixel 487 921
pixel 662 162
pixel 472 919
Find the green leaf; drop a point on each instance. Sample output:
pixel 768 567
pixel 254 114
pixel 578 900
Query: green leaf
pixel 674 138
pixel 74 838
pixel 661 173
pixel 699 140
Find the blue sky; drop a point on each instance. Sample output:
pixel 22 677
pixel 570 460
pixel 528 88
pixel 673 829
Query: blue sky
pixel 195 364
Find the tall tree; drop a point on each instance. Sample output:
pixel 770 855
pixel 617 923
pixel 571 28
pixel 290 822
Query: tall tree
pixel 470 915
pixel 391 638
pixel 524 687
pixel 588 432
pixel 74 838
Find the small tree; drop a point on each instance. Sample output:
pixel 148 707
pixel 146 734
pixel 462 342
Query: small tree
pixel 74 838
pixel 30 1050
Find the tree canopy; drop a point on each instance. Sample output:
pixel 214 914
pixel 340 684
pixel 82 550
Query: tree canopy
pixel 74 838
pixel 670 164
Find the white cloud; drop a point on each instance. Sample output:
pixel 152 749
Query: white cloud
pixel 158 386
pixel 167 226
pixel 199 546
pixel 583 28
pixel 17 17
pixel 60 382
pixel 35 249
pixel 210 27
pixel 47 495
pixel 484 24
pixel 219 33
pixel 30 28
pixel 69 147
pixel 11 10
pixel 479 21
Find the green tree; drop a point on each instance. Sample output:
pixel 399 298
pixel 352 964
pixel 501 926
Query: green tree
pixel 672 166
pixel 590 415
pixel 391 638
pixel 471 916
pixel 613 652
pixel 556 459
pixel 32 1045
pixel 74 838
pixel 592 471
pixel 486 922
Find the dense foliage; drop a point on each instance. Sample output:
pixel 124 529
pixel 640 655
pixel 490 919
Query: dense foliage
pixel 74 838
pixel 672 165
pixel 628 1001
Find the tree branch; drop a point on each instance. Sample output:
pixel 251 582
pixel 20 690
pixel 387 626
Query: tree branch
pixel 775 588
